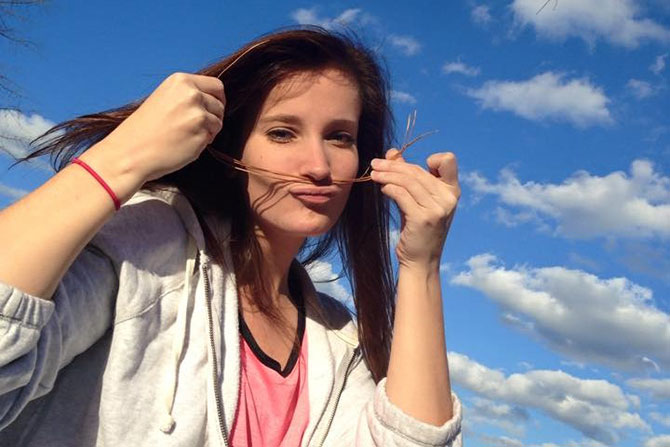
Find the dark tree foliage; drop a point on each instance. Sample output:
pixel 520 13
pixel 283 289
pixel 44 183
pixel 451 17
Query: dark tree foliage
pixel 11 12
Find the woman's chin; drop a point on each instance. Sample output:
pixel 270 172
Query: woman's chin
pixel 301 228
pixel 310 230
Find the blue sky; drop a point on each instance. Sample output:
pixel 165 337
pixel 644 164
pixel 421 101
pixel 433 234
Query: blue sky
pixel 556 273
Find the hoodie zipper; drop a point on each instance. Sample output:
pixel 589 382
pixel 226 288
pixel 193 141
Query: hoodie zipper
pixel 217 391
pixel 212 346
pixel 336 399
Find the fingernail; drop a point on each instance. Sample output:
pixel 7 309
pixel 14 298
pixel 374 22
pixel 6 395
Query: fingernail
pixel 375 162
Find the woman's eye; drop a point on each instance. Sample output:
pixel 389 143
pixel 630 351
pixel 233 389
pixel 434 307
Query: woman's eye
pixel 343 139
pixel 280 135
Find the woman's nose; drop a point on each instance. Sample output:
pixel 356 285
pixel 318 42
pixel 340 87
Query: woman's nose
pixel 315 164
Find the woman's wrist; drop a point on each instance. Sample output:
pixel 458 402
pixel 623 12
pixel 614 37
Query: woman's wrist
pixel 118 171
pixel 427 268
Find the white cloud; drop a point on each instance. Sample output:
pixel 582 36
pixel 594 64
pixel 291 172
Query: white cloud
pixel 460 67
pixel 640 89
pixel 576 313
pixel 18 130
pixel 617 21
pixel 348 16
pixel 394 237
pixel 663 419
pixel 547 96
pixel 525 365
pixel 481 15
pixel 585 261
pixel 357 18
pixel 659 64
pixel 309 16
pixel 402 97
pixel 11 192
pixel 502 411
pixel 646 257
pixel 658 388
pixel 510 418
pixel 573 364
pixel 500 441
pixel 408 45
pixel 634 400
pixel 586 206
pixel 586 443
pixel 597 408
pixel 658 441
pixel 325 280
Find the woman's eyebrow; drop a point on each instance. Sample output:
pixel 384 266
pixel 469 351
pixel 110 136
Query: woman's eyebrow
pixel 288 119
pixel 344 123
pixel 295 120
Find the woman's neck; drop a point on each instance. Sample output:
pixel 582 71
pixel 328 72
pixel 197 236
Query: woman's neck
pixel 279 250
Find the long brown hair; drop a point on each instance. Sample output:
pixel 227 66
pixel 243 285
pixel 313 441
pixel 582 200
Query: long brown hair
pixel 361 233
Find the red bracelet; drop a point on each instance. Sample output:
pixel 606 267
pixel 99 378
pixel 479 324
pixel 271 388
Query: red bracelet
pixel 117 203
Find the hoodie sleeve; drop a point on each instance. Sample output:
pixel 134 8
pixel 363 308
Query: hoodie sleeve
pixel 39 337
pixel 389 425
pixel 366 417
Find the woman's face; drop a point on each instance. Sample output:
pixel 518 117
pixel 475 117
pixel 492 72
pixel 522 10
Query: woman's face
pixel 307 127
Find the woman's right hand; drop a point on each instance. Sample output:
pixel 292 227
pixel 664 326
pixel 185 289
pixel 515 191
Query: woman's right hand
pixel 168 130
pixel 43 233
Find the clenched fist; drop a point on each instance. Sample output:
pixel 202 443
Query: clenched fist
pixel 167 131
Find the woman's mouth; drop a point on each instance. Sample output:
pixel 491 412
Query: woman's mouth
pixel 313 194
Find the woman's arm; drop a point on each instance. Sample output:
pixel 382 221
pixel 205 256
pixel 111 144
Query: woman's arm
pixel 367 417
pixel 109 281
pixel 39 337
pixel 418 374
pixel 44 238
pixel 42 234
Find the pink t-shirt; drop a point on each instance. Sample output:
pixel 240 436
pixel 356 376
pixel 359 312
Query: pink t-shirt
pixel 273 407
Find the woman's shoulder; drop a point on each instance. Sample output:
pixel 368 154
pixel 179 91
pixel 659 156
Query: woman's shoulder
pixel 331 313
pixel 338 317
pixel 335 311
pixel 147 242
pixel 147 229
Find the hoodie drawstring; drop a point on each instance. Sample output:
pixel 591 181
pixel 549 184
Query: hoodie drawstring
pixel 169 387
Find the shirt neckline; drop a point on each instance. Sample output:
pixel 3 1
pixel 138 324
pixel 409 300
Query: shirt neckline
pixel 295 292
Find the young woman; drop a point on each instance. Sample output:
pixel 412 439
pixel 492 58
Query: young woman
pixel 184 317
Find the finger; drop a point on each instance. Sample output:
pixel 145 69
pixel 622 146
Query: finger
pixel 445 166
pixel 403 198
pixel 211 85
pixel 213 124
pixel 394 154
pixel 415 174
pixel 416 189
pixel 213 105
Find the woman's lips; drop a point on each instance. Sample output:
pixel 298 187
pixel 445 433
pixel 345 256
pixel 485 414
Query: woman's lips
pixel 312 198
pixel 320 194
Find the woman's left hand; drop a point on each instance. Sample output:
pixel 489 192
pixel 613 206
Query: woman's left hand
pixel 427 202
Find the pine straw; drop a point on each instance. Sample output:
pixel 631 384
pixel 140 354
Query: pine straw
pixel 262 172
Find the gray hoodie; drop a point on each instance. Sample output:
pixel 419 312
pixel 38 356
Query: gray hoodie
pixel 140 347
